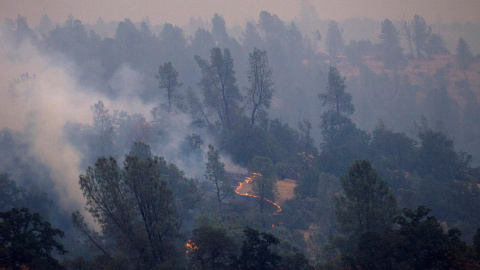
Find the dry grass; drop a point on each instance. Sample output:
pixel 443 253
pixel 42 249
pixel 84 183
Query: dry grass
pixel 417 69
pixel 284 187
pixel 285 190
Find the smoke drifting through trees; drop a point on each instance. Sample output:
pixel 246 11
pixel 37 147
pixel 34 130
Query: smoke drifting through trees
pixel 49 97
pixel 87 96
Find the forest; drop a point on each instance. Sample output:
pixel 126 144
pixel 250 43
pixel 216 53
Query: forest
pixel 306 144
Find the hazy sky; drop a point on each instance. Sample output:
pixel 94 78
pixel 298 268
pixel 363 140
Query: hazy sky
pixel 235 11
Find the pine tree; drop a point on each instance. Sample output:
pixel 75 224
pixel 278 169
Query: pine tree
pixel 220 91
pixel 392 52
pixel 368 203
pixel 259 94
pixel 216 175
pixel 168 80
pixel 464 57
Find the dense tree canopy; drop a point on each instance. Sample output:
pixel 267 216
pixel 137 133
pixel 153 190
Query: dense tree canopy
pixel 215 173
pixel 464 57
pixel 334 42
pixel 211 248
pixel 259 94
pixel 368 203
pixel 420 34
pixel 26 240
pixel 136 205
pixel 146 208
pixel 221 94
pixel 168 80
pixel 392 53
pixel 336 99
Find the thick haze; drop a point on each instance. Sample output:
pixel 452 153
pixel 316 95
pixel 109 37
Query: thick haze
pixel 179 11
pixel 277 87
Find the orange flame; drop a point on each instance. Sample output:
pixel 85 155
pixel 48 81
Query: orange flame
pixel 249 179
pixel 190 246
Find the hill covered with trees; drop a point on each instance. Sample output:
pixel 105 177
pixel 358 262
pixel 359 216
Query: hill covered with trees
pixel 379 137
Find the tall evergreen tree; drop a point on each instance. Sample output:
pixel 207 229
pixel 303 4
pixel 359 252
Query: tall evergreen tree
pixel 104 128
pixel 256 251
pixel 168 80
pixel 420 34
pixel 334 41
pixel 135 206
pixel 27 241
pixel 259 94
pixel 392 53
pixel 407 28
pixel 336 99
pixel 464 56
pixel 216 174
pixel 368 203
pixel 212 248
pixel 339 106
pixel 220 91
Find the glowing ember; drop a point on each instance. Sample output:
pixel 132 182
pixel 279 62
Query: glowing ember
pixel 190 246
pixel 249 179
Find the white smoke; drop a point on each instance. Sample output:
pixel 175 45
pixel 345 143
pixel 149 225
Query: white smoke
pixel 40 104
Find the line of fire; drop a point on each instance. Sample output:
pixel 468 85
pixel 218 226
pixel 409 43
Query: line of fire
pixel 189 245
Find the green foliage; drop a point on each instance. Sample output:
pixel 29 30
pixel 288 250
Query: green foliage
pixel 307 185
pixel 420 34
pixel 381 96
pixel 191 143
pixel 245 141
pixel 168 80
pixel 368 204
pixel 296 261
pixel 297 214
pixel 439 106
pixel 435 46
pixel 432 173
pixel 307 144
pixel 10 195
pixel 336 129
pixel 282 142
pixel 28 241
pixel 138 206
pixel 220 91
pixel 13 196
pixel 356 50
pixel 259 94
pixel 452 202
pixel 392 53
pixel 215 173
pixel 392 149
pixel 343 143
pixel 256 252
pixel 375 251
pixel 263 184
pixel 211 248
pixel 334 41
pixel 275 140
pixel 464 56
pixel 336 99
pixel 476 244
pixel 436 156
pixel 103 126
pixel 422 243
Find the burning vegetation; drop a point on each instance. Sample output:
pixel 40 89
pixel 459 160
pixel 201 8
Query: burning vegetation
pixel 248 180
pixel 150 164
